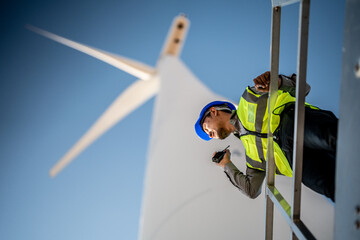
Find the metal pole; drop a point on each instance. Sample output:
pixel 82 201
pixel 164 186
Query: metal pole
pixel 347 207
pixel 270 163
pixel 300 109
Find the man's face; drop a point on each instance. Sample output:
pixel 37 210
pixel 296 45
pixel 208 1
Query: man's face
pixel 217 125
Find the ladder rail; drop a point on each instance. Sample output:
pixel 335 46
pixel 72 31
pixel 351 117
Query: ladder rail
pixel 300 108
pixel 274 72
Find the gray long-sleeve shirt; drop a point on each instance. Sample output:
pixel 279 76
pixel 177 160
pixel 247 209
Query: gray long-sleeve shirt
pixel 250 183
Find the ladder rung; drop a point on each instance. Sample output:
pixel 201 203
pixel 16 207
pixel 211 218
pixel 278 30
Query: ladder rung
pixel 298 227
pixel 282 3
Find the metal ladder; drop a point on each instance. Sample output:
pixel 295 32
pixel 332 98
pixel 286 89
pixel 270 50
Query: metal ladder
pixel 291 213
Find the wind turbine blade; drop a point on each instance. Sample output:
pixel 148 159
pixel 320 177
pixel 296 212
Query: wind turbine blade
pixel 138 93
pixel 132 67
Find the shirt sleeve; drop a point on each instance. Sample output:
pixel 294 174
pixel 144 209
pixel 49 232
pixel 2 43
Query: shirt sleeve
pixel 249 183
pixel 288 84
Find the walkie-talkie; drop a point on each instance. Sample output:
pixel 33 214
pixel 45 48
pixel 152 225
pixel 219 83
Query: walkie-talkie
pixel 219 155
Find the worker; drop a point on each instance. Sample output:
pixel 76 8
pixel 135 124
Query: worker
pixel 249 123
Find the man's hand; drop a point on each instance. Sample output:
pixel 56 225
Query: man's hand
pixel 262 82
pixel 225 160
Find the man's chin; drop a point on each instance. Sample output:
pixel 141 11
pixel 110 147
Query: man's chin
pixel 224 135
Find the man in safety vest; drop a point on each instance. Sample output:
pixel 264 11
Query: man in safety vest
pixel 249 123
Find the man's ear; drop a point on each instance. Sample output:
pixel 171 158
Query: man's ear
pixel 214 111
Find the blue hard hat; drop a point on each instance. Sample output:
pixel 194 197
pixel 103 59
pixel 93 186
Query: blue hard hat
pixel 198 128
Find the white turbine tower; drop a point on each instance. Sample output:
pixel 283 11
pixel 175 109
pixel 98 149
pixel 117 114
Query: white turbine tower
pixel 186 196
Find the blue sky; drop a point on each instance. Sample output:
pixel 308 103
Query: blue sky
pixel 50 95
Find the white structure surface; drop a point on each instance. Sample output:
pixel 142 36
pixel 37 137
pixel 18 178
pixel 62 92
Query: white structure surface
pixel 186 195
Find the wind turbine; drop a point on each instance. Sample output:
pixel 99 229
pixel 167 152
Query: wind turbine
pixel 185 196
pixel 138 93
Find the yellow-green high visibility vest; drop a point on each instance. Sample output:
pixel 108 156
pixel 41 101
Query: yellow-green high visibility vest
pixel 253 115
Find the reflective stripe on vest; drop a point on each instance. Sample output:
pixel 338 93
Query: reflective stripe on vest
pixel 253 115
pixel 259 164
